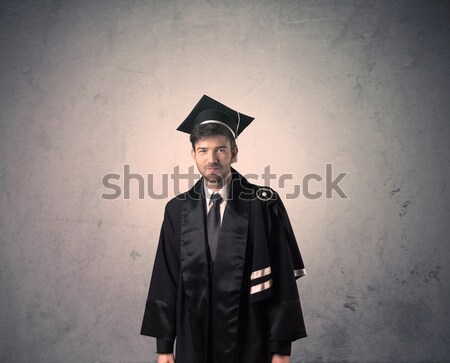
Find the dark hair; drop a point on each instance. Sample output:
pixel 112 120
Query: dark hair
pixel 203 131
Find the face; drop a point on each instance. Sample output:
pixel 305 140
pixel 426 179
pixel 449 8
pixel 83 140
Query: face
pixel 214 157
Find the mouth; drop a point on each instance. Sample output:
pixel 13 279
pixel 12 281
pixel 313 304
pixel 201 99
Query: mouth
pixel 212 168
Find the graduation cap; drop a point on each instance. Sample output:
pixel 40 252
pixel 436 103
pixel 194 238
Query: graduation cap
pixel 208 110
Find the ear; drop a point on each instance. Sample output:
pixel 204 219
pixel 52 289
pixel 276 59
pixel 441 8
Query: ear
pixel 193 153
pixel 234 155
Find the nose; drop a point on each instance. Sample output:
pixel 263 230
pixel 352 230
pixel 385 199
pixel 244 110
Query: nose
pixel 211 157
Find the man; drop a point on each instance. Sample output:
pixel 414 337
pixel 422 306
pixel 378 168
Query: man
pixel 224 279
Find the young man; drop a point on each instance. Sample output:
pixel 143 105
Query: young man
pixel 224 278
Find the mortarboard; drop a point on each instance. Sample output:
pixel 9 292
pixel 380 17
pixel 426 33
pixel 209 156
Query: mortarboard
pixel 208 110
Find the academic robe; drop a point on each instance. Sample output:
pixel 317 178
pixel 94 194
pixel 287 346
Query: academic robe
pixel 243 307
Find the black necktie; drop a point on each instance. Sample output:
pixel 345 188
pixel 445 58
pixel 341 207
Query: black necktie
pixel 213 224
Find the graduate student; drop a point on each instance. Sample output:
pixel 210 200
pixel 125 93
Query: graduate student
pixel 223 287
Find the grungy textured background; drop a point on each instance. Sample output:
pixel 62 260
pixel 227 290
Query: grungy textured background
pixel 88 87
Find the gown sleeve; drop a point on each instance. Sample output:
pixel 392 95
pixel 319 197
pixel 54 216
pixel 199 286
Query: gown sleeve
pixel 160 310
pixel 286 322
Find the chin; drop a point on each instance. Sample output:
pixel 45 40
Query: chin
pixel 214 177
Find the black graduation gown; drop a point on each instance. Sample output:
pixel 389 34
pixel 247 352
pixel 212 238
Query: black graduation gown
pixel 248 307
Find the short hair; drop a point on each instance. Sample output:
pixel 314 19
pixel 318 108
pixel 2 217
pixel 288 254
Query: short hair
pixel 203 131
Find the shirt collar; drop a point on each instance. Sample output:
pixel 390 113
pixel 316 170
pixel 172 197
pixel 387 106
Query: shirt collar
pixel 223 192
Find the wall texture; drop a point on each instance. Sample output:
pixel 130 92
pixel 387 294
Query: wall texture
pixel 90 87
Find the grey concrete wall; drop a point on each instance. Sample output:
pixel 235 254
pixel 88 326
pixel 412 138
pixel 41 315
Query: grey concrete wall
pixel 90 86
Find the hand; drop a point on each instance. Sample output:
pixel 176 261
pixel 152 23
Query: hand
pixel 165 358
pixel 278 358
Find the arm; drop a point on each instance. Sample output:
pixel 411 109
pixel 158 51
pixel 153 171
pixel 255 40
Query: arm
pixel 160 310
pixel 285 313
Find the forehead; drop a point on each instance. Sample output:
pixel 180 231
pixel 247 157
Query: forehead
pixel 213 141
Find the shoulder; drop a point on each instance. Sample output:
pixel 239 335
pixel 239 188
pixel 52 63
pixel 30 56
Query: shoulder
pixel 266 195
pixel 194 194
pixel 173 212
pixel 259 194
pixel 177 201
pixel 175 205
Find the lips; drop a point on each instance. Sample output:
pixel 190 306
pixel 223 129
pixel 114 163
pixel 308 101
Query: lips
pixel 213 169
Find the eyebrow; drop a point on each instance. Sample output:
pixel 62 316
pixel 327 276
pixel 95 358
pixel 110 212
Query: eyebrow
pixel 217 147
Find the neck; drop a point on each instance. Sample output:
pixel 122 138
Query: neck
pixel 218 183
